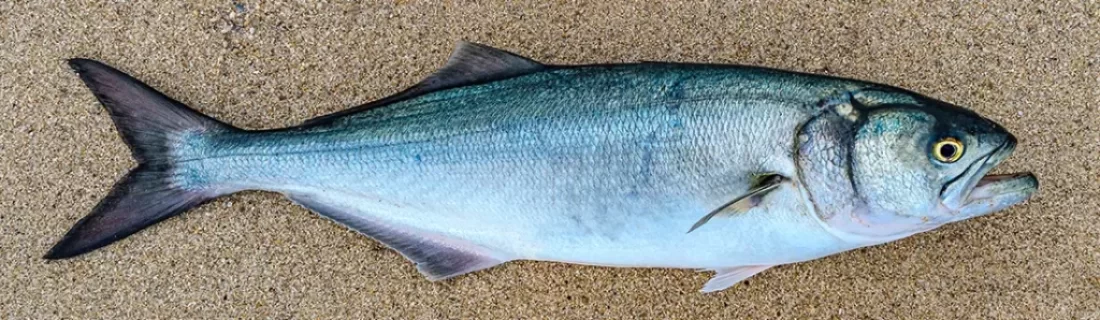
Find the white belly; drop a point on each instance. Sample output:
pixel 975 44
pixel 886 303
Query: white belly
pixel 781 231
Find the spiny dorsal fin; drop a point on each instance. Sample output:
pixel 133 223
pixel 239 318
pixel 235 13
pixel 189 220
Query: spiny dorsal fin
pixel 470 63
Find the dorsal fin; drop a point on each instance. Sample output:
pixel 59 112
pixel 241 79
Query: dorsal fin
pixel 474 63
pixel 470 63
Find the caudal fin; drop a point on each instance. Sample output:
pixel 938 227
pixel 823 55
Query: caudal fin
pixel 154 126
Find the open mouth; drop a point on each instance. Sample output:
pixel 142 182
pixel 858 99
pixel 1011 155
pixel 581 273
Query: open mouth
pixel 986 193
pixel 991 186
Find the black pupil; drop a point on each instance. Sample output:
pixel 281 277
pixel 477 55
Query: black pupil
pixel 947 151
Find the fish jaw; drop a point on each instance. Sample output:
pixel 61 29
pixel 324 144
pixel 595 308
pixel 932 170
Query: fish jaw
pixel 983 193
pixel 997 192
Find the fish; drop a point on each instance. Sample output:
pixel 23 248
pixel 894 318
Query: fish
pixel 497 157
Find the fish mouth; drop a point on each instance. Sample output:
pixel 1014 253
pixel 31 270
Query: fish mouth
pixel 982 193
pixel 997 192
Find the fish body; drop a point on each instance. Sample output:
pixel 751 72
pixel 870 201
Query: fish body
pixel 609 165
pixel 498 158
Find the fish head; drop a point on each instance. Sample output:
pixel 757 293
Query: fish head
pixel 916 165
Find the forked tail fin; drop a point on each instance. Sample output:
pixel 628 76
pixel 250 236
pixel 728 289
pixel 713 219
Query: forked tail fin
pixel 154 126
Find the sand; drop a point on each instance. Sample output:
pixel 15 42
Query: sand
pixel 1033 67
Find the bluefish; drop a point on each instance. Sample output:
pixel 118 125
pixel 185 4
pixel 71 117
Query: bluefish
pixel 497 157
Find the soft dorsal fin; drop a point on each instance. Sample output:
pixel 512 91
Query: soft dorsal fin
pixel 470 63
pixel 474 63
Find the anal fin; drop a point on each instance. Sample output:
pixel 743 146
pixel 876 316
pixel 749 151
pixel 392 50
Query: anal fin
pixel 727 277
pixel 437 257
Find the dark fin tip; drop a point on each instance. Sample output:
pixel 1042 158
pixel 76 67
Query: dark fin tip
pixel 77 64
pixel 81 66
pixel 141 199
pixel 150 123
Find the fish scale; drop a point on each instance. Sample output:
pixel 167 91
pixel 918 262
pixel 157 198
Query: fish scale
pixel 496 158
pixel 602 201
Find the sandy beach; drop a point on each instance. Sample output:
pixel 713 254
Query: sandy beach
pixel 1034 67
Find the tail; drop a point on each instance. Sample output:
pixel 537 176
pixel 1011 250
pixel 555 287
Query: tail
pixel 153 125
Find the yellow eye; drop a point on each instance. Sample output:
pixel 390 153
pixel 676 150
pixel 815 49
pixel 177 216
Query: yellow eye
pixel 948 150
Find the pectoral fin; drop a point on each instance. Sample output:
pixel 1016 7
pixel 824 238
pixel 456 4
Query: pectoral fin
pixel 727 277
pixel 749 200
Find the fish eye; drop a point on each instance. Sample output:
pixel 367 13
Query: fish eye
pixel 948 150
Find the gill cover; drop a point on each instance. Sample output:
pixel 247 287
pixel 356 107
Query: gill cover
pixel 882 163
